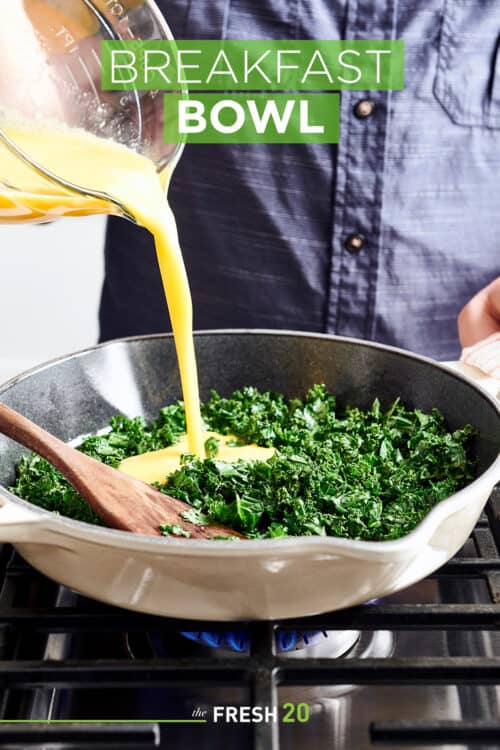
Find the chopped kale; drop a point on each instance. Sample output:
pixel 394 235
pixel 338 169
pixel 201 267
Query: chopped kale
pixel 168 529
pixel 212 446
pixel 362 474
pixel 195 516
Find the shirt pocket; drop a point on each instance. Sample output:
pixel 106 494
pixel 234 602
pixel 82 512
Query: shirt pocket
pixel 467 82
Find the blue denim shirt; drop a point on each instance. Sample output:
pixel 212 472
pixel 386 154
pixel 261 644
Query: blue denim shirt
pixel 267 231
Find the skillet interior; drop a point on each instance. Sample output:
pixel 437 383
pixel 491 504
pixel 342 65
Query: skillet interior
pixel 78 394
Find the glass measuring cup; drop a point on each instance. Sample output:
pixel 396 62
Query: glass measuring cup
pixel 51 72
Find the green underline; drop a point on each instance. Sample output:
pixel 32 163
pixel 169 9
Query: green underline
pixel 103 721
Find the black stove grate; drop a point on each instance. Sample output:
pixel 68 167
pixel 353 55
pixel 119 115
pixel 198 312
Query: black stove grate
pixel 262 672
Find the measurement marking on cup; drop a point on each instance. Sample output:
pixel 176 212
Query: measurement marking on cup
pixel 72 76
pixel 97 58
pixel 69 39
pixel 115 8
pixel 90 79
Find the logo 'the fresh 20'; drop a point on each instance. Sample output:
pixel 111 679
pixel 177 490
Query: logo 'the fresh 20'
pixel 288 713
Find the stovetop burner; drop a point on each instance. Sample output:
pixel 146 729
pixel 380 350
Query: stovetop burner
pixel 419 669
pixel 335 643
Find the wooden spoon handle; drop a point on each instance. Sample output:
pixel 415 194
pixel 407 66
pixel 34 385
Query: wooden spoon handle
pixel 119 500
pixel 27 433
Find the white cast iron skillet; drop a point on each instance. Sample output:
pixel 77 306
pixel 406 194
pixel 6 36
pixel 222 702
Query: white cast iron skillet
pixel 219 580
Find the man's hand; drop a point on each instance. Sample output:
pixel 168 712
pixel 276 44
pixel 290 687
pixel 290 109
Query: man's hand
pixel 481 316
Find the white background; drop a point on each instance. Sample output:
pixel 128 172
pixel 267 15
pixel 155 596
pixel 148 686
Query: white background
pixel 50 283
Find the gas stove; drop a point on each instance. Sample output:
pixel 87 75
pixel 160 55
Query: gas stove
pixel 419 669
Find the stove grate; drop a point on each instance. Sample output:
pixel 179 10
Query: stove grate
pixel 263 671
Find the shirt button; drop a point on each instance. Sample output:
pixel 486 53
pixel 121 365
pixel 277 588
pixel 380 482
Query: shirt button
pixel 355 242
pixel 364 108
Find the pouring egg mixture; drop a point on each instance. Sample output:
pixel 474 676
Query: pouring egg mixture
pixel 107 167
pixel 264 465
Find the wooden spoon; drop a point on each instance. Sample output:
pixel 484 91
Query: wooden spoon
pixel 122 502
